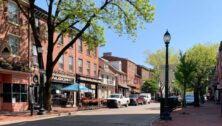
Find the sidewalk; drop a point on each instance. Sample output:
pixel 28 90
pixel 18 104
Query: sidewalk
pixel 15 117
pixel 206 115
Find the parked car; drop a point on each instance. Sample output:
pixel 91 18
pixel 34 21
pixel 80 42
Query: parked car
pixel 147 97
pixel 189 99
pixel 117 100
pixel 135 99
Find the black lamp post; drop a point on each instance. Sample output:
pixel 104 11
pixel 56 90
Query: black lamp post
pixel 41 91
pixel 166 113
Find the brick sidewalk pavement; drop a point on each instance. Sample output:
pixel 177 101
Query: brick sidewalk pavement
pixel 206 115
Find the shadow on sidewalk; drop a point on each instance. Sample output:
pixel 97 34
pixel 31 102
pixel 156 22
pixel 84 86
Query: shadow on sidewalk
pixel 207 114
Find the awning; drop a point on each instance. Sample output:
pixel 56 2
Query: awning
pixel 77 87
pixel 123 86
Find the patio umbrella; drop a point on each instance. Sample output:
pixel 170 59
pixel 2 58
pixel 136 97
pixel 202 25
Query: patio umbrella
pixel 77 87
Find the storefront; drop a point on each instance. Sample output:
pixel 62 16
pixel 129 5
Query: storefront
pixel 123 89
pixel 89 82
pixel 104 90
pixel 14 90
pixel 60 97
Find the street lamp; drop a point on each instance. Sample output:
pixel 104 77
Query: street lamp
pixel 166 114
pixel 41 91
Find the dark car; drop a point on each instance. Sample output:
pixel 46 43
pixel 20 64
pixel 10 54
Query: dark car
pixel 135 99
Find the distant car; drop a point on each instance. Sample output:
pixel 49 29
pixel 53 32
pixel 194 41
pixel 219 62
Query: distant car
pixel 135 99
pixel 147 97
pixel 117 100
pixel 189 99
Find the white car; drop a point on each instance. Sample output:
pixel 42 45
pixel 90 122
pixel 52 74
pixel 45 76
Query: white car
pixel 117 100
pixel 147 97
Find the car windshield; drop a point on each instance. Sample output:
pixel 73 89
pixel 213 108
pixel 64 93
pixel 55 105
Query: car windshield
pixel 133 96
pixel 143 96
pixel 114 96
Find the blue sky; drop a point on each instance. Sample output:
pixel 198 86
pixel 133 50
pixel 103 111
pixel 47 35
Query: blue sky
pixel 189 22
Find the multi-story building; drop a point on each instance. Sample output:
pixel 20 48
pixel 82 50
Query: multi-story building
pixel 77 64
pixel 107 77
pixel 130 68
pixel 144 72
pixel 15 74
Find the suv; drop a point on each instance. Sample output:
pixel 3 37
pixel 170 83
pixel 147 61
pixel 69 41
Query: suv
pixel 147 97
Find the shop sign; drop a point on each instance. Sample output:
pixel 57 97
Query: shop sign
pixel 63 79
pixel 89 79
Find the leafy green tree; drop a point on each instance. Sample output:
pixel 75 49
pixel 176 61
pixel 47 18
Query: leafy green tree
pixel 150 86
pixel 157 60
pixel 204 55
pixel 89 17
pixel 184 74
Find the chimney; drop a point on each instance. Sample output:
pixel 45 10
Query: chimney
pixel 107 54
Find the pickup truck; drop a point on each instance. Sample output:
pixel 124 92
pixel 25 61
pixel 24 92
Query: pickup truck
pixel 117 100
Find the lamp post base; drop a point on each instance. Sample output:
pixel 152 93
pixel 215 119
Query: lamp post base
pixel 41 112
pixel 165 116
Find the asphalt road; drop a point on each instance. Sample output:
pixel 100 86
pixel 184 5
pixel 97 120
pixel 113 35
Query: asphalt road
pixel 130 116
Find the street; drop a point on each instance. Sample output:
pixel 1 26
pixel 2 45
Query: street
pixel 131 116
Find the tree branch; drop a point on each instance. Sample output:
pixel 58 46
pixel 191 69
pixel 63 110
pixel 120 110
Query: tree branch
pixel 57 10
pixel 23 11
pixel 79 34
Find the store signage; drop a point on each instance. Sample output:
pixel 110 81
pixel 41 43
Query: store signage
pixel 63 79
pixel 89 79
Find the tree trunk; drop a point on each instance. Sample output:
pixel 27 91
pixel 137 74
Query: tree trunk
pixel 47 91
pixel 196 94
pixel 184 95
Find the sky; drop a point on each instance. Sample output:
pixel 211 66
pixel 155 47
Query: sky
pixel 188 21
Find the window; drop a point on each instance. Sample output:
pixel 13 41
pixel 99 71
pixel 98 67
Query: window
pixel 35 55
pixel 88 68
pixel 15 91
pixel 80 65
pixel 70 63
pixel 37 25
pixel 13 13
pixel 80 46
pixel 88 51
pixel 95 69
pixel 61 62
pixel 14 44
pixel 70 39
pixel 95 52
pixel 60 40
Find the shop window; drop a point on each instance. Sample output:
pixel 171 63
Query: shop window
pixel 70 38
pixel 7 93
pixel 14 44
pixel 13 13
pixel 16 91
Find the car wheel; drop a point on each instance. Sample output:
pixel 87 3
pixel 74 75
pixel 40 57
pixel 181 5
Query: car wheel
pixel 126 105
pixel 118 105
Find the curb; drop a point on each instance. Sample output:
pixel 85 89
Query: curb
pixel 153 119
pixel 38 117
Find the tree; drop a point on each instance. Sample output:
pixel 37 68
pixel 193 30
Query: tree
pixel 157 60
pixel 204 55
pixel 184 73
pixel 87 18
pixel 150 86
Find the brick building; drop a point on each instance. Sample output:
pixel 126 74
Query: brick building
pixel 130 68
pixel 108 78
pixel 77 64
